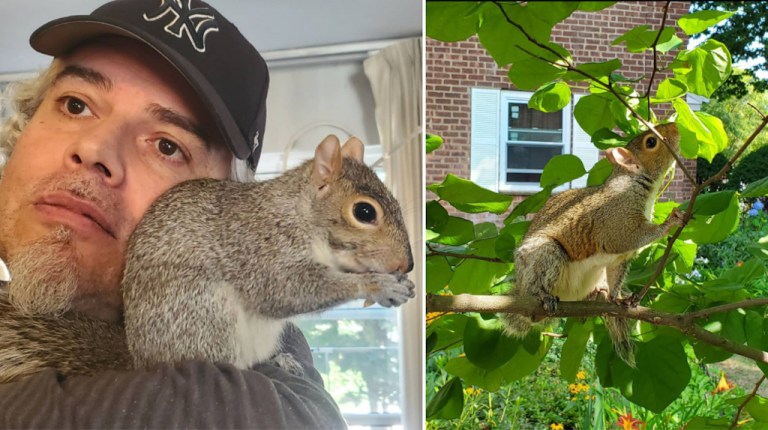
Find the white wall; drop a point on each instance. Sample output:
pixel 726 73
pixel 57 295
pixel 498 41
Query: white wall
pixel 305 103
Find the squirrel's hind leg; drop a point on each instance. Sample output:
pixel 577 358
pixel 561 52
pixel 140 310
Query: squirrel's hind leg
pixel 539 264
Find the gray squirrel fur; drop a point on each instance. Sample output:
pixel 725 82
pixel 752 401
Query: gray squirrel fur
pixel 215 269
pixel 581 242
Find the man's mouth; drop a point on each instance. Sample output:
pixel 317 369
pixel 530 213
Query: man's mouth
pixel 76 213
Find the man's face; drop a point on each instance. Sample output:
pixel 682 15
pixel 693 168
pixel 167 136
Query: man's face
pixel 118 127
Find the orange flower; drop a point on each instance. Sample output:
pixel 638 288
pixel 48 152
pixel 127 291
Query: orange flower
pixel 739 264
pixel 723 385
pixel 628 422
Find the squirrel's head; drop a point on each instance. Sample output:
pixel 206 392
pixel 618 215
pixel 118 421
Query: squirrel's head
pixel 646 153
pixel 365 227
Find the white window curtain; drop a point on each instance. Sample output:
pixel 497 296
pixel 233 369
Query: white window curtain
pixel 395 73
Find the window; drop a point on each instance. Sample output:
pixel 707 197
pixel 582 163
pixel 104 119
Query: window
pixel 529 138
pixel 511 143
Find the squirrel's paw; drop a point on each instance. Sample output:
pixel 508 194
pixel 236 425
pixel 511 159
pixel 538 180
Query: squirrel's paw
pixel 287 362
pixel 549 302
pixel 676 217
pixel 388 289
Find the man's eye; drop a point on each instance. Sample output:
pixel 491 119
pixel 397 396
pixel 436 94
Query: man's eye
pixel 75 106
pixel 167 147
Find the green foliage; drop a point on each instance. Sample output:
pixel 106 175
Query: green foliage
pixel 751 167
pixel 742 33
pixel 478 259
pixel 545 397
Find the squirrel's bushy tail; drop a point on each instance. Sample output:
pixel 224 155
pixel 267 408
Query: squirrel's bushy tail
pixel 515 325
pixel 620 332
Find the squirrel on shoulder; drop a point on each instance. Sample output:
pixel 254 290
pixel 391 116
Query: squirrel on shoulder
pixel 581 242
pixel 215 269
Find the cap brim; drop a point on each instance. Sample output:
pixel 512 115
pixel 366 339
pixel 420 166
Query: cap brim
pixel 60 36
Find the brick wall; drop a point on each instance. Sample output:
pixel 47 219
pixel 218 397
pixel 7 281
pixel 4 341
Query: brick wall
pixel 452 69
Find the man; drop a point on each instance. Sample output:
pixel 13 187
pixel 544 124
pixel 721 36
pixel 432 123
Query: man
pixel 141 95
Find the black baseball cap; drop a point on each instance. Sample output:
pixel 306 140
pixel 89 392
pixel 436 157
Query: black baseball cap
pixel 225 70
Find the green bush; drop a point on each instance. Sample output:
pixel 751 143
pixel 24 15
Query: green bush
pixel 705 170
pixel 750 168
pixel 714 259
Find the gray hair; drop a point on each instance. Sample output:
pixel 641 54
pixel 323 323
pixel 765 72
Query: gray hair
pixel 21 99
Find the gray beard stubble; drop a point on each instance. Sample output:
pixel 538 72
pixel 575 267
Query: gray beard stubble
pixel 44 278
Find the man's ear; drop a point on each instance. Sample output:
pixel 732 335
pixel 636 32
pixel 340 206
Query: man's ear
pixel 353 148
pixel 623 157
pixel 327 163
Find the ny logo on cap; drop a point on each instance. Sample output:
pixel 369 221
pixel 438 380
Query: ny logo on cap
pixel 196 23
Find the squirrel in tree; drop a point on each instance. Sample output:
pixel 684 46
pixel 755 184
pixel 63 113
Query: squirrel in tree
pixel 215 269
pixel 581 242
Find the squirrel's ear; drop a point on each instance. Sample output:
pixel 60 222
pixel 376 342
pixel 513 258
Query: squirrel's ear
pixel 623 157
pixel 353 148
pixel 327 163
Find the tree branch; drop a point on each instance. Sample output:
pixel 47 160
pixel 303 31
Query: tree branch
pixel 434 252
pixel 684 322
pixel 751 396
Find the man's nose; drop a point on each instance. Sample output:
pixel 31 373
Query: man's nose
pixel 97 149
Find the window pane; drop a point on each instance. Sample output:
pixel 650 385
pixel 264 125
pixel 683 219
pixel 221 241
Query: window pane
pixel 356 350
pixel 524 177
pixel 521 116
pixel 530 157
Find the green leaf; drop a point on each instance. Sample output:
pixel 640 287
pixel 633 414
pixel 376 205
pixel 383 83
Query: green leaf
pixel 701 135
pixel 593 112
pixel 605 138
pixel 594 6
pixel 530 73
pixel 574 347
pixel 469 197
pixel 718 137
pixel 562 169
pixel 448 403
pixel 506 43
pixel 729 325
pixel 506 244
pixel 642 38
pixel 699 21
pixel 704 68
pixel 758 188
pixel 716 215
pixel 455 231
pixel 551 97
pixel 669 89
pixel 439 273
pixel 599 172
pixel 661 375
pixel 594 70
pixel 523 363
pixel 449 330
pixel 451 21
pixel 485 344
pixel 437 216
pixel 475 276
pixel 532 203
pixel 433 142
pixel 489 380
pixel 736 277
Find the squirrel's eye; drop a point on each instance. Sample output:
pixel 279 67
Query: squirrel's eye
pixel 650 143
pixel 365 212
